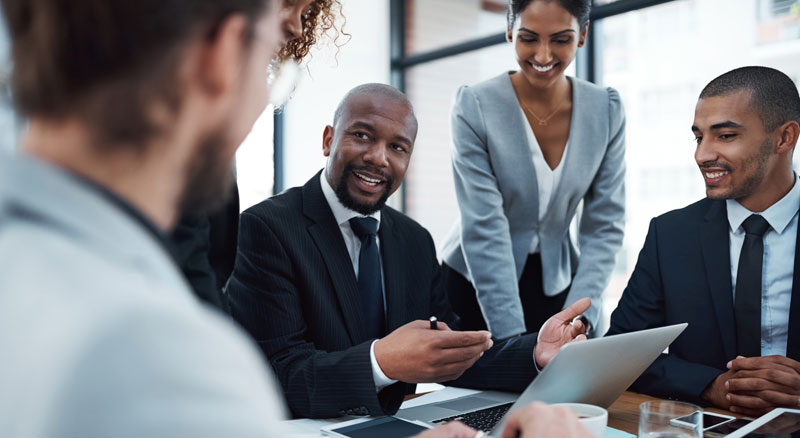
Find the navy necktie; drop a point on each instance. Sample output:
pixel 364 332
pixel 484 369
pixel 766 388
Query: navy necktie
pixel 747 306
pixel 369 275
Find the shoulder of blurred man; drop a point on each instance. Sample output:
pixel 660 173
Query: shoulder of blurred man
pixel 105 336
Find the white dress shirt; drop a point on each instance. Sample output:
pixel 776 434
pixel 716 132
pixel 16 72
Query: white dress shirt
pixel 343 215
pixel 777 268
pixel 547 179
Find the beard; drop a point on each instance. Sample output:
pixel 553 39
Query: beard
pixel 210 178
pixel 343 193
pixel 756 167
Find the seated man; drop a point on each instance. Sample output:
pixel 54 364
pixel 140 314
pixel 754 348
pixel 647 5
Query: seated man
pixel 727 264
pixel 337 288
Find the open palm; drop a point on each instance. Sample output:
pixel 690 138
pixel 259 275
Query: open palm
pixel 559 330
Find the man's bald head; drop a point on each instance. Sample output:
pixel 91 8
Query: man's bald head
pixel 369 146
pixel 374 90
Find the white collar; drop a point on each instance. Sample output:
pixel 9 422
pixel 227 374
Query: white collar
pixel 340 212
pixel 778 214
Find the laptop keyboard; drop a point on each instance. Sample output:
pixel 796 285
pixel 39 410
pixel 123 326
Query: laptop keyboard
pixel 484 419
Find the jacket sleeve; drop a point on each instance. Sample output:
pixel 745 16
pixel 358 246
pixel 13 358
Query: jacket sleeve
pixel 266 302
pixel 154 371
pixel 642 307
pixel 485 235
pixel 603 219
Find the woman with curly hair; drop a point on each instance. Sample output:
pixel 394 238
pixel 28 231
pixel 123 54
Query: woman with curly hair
pixel 205 247
pixel 304 22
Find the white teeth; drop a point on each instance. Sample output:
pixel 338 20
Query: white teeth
pixel 544 69
pixel 369 181
pixel 714 175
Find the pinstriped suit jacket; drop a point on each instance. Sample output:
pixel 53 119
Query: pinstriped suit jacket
pixel 293 288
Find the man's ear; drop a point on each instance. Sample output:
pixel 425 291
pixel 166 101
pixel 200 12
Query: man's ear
pixel 223 55
pixel 789 133
pixel 327 140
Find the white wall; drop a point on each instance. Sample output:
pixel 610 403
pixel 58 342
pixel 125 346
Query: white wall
pixel 364 58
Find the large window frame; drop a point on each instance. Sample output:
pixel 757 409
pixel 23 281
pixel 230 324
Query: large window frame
pixel 587 62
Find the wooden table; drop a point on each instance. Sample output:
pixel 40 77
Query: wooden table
pixel 624 413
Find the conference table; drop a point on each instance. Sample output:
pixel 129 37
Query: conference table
pixel 622 415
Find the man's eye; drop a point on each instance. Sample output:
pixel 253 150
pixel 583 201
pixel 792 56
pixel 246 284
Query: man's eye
pixel 361 135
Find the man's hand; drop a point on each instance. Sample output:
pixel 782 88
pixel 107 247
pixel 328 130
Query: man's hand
pixel 453 429
pixel 539 420
pixel 416 354
pixel 761 384
pixel 560 330
pixel 717 392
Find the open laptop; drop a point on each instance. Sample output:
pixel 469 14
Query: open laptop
pixel 596 372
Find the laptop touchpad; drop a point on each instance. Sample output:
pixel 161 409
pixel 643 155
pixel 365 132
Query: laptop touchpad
pixel 466 403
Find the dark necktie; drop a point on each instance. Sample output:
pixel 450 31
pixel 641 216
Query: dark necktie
pixel 747 306
pixel 369 275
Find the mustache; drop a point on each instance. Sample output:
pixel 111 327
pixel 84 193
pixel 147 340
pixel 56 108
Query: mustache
pixel 372 171
pixel 715 164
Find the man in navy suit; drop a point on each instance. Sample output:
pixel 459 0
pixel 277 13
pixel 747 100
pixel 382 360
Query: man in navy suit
pixel 340 309
pixel 727 264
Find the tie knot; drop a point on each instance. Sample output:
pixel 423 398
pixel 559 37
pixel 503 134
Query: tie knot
pixel 364 226
pixel 755 224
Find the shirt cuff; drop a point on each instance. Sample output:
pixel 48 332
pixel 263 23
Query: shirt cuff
pixel 535 365
pixel 380 379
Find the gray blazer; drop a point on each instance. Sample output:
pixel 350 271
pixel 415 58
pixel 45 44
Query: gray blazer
pixel 497 193
pixel 100 335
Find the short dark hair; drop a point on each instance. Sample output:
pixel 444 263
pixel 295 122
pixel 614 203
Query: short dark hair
pixel 107 60
pixel 579 9
pixel 774 95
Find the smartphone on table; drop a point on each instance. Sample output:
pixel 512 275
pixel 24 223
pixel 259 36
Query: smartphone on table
pixel 710 420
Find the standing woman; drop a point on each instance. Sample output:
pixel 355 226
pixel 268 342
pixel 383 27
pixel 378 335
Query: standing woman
pixel 529 146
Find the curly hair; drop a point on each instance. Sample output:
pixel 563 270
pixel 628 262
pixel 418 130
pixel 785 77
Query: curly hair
pixel 318 20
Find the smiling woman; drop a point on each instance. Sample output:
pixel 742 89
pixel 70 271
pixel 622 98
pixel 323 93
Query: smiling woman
pixel 530 145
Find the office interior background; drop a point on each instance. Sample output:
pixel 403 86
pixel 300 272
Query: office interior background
pixel 657 53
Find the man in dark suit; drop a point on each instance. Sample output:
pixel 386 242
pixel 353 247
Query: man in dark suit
pixel 727 264
pixel 337 288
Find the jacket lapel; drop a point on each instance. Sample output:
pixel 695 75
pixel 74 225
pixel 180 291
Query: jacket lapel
pixel 793 343
pixel 715 240
pixel 328 237
pixel 516 150
pixel 576 161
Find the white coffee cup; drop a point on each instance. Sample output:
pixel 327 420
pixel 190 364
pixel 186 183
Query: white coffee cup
pixel 594 418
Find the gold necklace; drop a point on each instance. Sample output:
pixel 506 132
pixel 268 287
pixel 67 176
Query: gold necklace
pixel 542 122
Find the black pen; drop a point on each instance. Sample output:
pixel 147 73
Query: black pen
pixel 434 325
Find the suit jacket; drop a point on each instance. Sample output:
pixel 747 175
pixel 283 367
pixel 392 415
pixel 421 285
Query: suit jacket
pixel 294 289
pixel 100 333
pixel 498 196
pixel 684 275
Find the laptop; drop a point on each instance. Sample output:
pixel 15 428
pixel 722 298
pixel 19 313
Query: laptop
pixel 596 372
